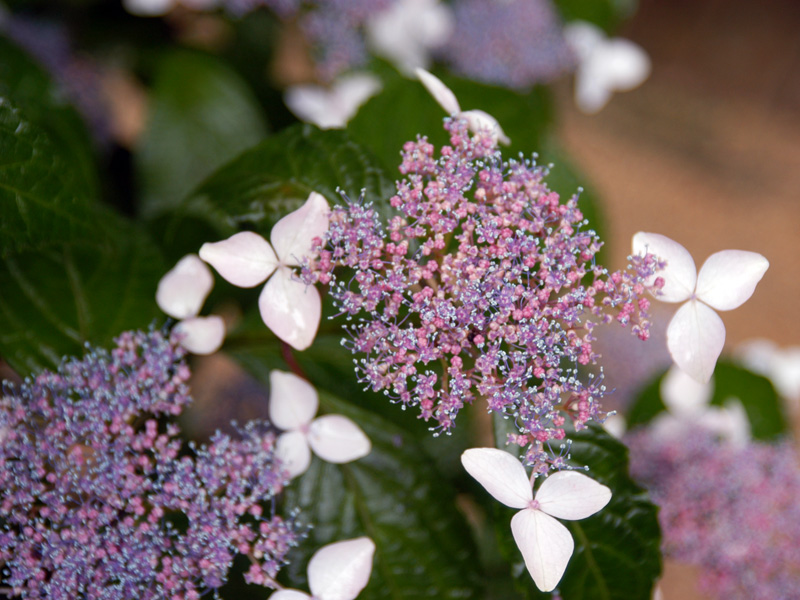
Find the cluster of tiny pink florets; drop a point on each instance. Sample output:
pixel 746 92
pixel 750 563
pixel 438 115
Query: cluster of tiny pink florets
pixel 484 285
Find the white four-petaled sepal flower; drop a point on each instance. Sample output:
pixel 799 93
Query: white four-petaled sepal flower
pixel 605 65
pixel 291 309
pixel 333 107
pixel 696 335
pixel 293 404
pixel 181 294
pixel 546 545
pixel 477 120
pixel 338 571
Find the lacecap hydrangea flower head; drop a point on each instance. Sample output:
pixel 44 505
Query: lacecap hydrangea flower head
pixel 100 498
pixel 483 286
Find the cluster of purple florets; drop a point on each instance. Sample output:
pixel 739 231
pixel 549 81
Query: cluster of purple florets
pixel 99 498
pixel 731 510
pixel 484 285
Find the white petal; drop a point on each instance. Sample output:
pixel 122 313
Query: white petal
pixel 148 8
pixel 341 570
pixel 291 309
pixel 501 474
pixel 683 395
pixel 583 38
pixel 201 335
pixel 336 439
pixel 546 546
pixel 293 451
pixel 592 91
pixel 481 121
pixel 729 422
pixel 332 108
pixel 571 495
pixel 289 595
pixel 695 338
pixel 616 425
pixel 245 259
pixel 680 274
pixel 728 278
pixel 624 65
pixel 183 289
pixel 293 401
pixel 353 90
pixel 292 235
pixel 440 92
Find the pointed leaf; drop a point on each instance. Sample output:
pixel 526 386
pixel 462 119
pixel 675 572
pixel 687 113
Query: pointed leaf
pixel 184 288
pixel 293 401
pixel 571 495
pixel 341 570
pixel 245 259
pixel 293 451
pixel 680 274
pixel 501 474
pixel 728 278
pixel 201 335
pixel 440 92
pixel 695 337
pixel 336 439
pixel 292 235
pixel 291 309
pixel 546 546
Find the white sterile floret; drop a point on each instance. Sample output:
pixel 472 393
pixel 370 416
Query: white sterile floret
pixel 696 335
pixel 181 294
pixel 293 404
pixel 605 65
pixel 476 119
pixel 338 571
pixel 780 365
pixel 546 545
pixel 332 107
pixel 291 309
pixel 407 30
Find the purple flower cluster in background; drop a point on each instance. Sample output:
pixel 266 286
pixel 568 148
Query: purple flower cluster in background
pixel 99 497
pixel 514 43
pixel 478 289
pixel 731 510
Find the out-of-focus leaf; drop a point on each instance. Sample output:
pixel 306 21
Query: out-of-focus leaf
pixel 404 109
pixel 202 115
pixel 617 551
pixel 270 180
pixel 54 301
pixel 647 405
pixel 44 198
pixel 607 14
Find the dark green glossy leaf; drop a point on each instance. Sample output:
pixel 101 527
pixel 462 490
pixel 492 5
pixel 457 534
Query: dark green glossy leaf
pixel 266 182
pixel 730 381
pixel 54 301
pixel 30 88
pixel 617 551
pixel 202 115
pixel 404 109
pixel 44 199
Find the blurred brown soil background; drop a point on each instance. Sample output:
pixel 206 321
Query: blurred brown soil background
pixel 706 152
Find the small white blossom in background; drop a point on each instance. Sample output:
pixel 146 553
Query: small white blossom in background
pixel 338 571
pixel 293 404
pixel 408 30
pixel 696 334
pixel 779 365
pixel 477 120
pixel 181 293
pixel 159 8
pixel 332 107
pixel 290 308
pixel 546 545
pixel 605 65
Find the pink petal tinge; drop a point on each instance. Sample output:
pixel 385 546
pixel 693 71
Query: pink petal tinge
pixel 291 237
pixel 201 335
pixel 291 309
pixel 183 289
pixel 546 546
pixel 293 402
pixel 293 451
pixel 501 474
pixel 245 259
pixel 443 95
pixel 728 278
pixel 695 338
pixel 337 439
pixel 341 570
pixel 680 274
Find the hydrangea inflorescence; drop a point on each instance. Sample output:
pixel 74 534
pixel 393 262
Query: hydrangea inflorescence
pixel 477 289
pixel 99 497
